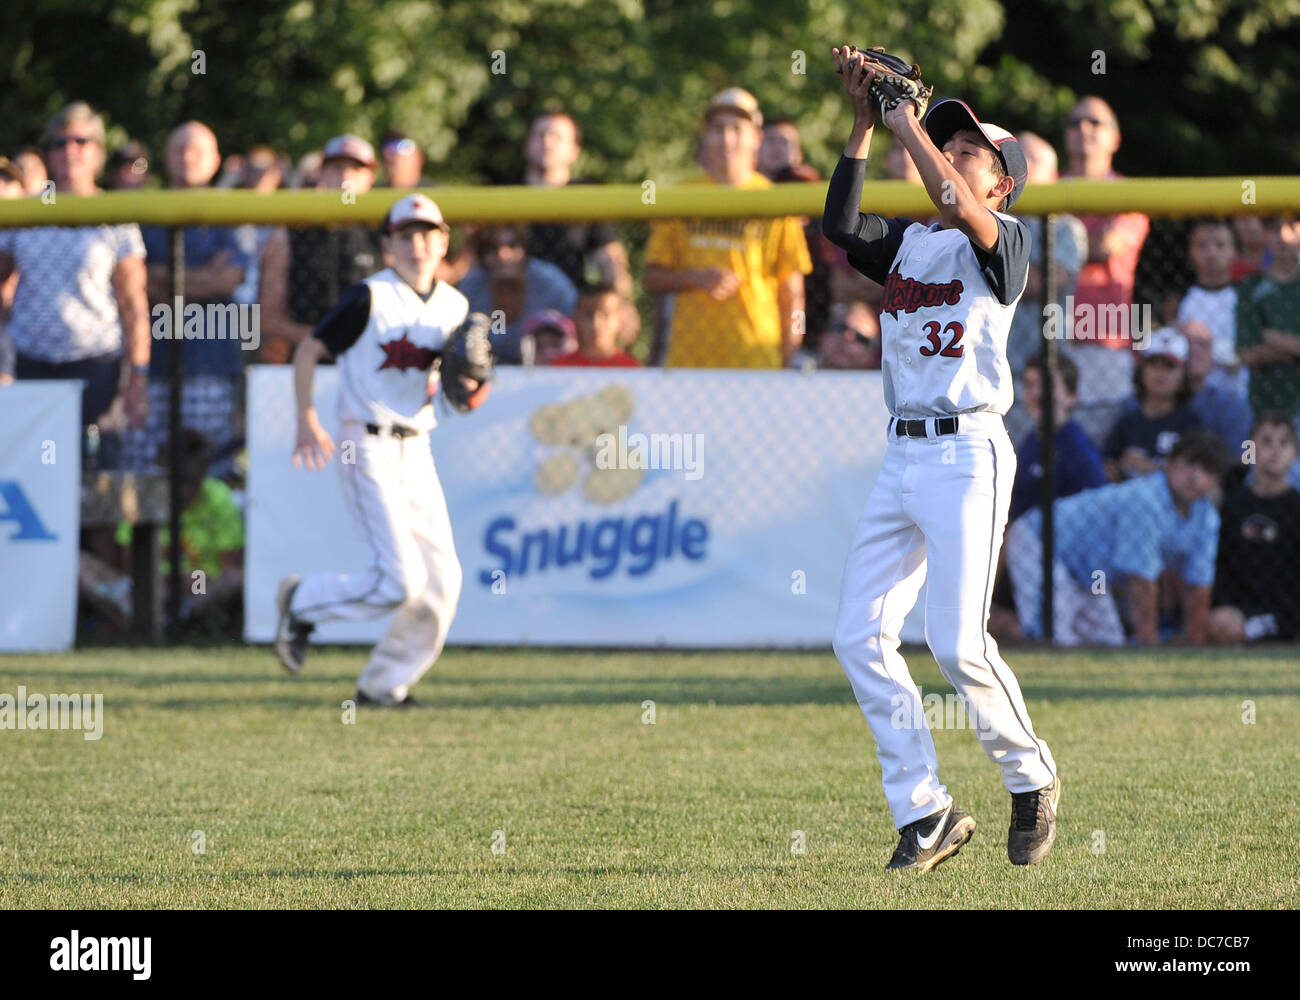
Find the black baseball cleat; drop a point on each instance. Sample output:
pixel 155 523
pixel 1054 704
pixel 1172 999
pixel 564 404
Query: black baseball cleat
pixel 931 841
pixel 1033 824
pixel 361 698
pixel 291 635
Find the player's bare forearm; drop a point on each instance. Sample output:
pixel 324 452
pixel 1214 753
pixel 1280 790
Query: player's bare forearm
pixel 305 358
pixel 859 143
pixel 790 299
pixel 957 205
pixel 1142 610
pixel 1196 613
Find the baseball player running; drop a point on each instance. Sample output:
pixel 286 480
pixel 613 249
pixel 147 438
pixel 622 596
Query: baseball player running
pixel 386 333
pixel 940 502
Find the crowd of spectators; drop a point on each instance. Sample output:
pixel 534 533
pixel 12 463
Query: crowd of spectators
pixel 1178 372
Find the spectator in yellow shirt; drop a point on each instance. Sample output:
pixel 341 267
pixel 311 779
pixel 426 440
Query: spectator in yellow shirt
pixel 738 283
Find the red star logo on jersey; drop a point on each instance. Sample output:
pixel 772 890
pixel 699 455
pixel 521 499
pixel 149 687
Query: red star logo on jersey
pixel 402 354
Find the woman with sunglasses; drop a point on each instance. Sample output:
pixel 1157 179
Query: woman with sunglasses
pixel 80 310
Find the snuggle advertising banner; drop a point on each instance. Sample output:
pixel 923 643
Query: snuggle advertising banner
pixel 590 507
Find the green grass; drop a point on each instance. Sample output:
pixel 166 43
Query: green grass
pixel 600 810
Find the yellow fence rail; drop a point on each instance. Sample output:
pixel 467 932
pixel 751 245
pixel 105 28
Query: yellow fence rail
pixel 585 203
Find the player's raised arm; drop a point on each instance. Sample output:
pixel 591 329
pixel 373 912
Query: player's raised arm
pixel 870 239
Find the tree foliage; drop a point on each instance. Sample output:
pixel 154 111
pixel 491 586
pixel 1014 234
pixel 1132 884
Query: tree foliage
pixel 1201 86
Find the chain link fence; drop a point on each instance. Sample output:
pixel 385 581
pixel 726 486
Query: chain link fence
pixel 1163 354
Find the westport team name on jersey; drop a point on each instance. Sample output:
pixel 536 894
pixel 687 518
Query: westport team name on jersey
pixel 909 295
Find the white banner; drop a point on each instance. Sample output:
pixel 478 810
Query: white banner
pixel 717 511
pixel 40 514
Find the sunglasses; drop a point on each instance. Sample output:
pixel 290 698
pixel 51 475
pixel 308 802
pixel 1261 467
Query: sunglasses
pixel 1094 122
pixel 63 140
pixel 504 244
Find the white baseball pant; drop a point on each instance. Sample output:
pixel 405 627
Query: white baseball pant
pixel 940 503
pixel 393 493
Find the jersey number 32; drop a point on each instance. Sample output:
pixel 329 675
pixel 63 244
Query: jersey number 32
pixel 953 348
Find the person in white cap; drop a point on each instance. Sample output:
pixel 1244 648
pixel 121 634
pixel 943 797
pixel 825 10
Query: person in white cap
pixel 1159 413
pixel 385 332
pixel 941 500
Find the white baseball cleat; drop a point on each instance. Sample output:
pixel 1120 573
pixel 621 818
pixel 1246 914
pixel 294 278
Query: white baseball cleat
pixel 291 635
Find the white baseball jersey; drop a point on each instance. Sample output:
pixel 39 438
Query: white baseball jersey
pixel 945 317
pixel 386 336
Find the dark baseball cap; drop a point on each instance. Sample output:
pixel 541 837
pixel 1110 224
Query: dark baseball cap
pixel 950 116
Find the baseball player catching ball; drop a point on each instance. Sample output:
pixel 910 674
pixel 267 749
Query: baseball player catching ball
pixel 387 332
pixel 940 502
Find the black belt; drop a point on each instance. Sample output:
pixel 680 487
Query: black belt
pixel 917 429
pixel 397 430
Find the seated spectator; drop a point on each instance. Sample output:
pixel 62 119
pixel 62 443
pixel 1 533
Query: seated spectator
pixel 853 340
pixel 598 317
pixel 1257 575
pixel 510 287
pixel 1104 356
pixel 1268 321
pixel 587 252
pixel 304 270
pixel 80 310
pixel 1212 301
pixel 1070 250
pixel 212 355
pixel 1221 408
pixel 1078 465
pixel 548 336
pixel 34 170
pixel 1159 413
pixel 1120 538
pixel 738 283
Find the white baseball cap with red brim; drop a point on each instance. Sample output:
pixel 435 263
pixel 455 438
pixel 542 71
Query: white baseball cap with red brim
pixel 950 116
pixel 414 208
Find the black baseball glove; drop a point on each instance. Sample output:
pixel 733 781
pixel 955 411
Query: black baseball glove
pixel 466 355
pixel 896 80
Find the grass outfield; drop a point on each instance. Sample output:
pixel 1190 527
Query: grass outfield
pixel 600 810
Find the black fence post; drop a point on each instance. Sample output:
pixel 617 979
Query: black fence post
pixel 174 376
pixel 1047 430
